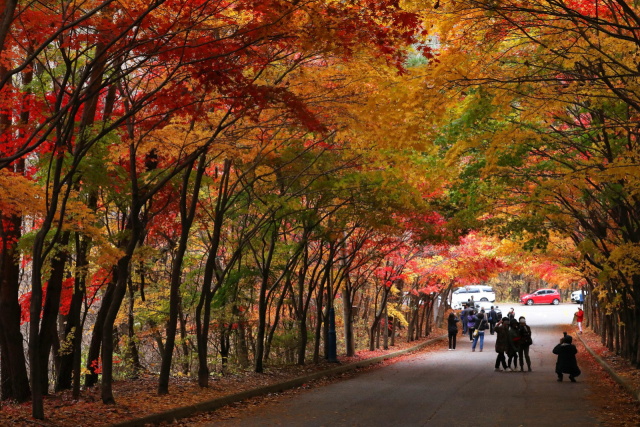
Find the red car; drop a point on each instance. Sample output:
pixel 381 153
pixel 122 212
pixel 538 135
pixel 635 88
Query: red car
pixel 542 296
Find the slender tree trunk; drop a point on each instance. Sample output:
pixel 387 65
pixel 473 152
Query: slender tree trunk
pixel 16 380
pixel 64 379
pixel 187 214
pixel 119 292
pixel 410 321
pixel 202 320
pixel 184 344
pixel 276 321
pixel 93 357
pixel 243 349
pixel 386 329
pixel 51 309
pixel 6 388
pixel 347 313
pixel 616 327
pixel 302 339
pixel 316 344
pixel 132 347
pixel 393 331
pixel 325 325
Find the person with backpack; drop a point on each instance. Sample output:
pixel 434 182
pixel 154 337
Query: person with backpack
pixel 471 323
pixel 452 324
pixel 567 363
pixel 492 319
pixel 513 338
pixel 479 332
pixel 502 344
pixel 525 341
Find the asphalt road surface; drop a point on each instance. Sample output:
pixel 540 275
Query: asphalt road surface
pixel 447 388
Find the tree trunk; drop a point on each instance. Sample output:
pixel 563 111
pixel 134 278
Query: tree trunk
pixel 224 347
pixel 243 349
pixel 393 331
pixel 48 329
pixel 349 341
pixel 263 303
pixel 16 383
pixel 187 214
pixel 202 321
pixel 316 344
pixel 410 323
pixel 132 348
pixel 93 357
pixel 386 328
pixel 186 368
pixel 273 328
pixel 119 292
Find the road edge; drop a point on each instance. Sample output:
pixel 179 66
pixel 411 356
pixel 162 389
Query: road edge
pixel 613 374
pixel 210 405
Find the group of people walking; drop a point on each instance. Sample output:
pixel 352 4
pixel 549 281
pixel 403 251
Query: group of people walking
pixel 473 323
pixel 512 342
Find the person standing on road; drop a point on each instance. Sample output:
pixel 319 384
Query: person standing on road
pixel 453 330
pixel 580 318
pixel 567 363
pixel 502 344
pixel 514 344
pixel 481 327
pixel 511 315
pixel 493 319
pixel 525 342
pixel 471 323
pixel 463 315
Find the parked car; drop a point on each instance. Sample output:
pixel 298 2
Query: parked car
pixel 542 296
pixel 577 297
pixel 478 292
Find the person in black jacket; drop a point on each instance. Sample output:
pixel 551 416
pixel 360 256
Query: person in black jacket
pixel 567 363
pixel 493 319
pixel 463 315
pixel 513 339
pixel 525 342
pixel 502 343
pixel 452 322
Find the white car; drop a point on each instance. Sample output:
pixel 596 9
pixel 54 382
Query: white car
pixel 576 296
pixel 478 292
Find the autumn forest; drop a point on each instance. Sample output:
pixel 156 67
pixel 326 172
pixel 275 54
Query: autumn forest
pixel 193 188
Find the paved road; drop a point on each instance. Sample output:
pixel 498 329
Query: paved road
pixel 448 388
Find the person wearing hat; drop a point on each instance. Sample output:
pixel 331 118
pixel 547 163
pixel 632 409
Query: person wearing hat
pixel 567 363
pixel 525 341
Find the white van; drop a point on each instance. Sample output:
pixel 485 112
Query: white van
pixel 478 292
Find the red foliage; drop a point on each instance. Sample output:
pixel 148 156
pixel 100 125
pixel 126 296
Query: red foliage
pixel 65 299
